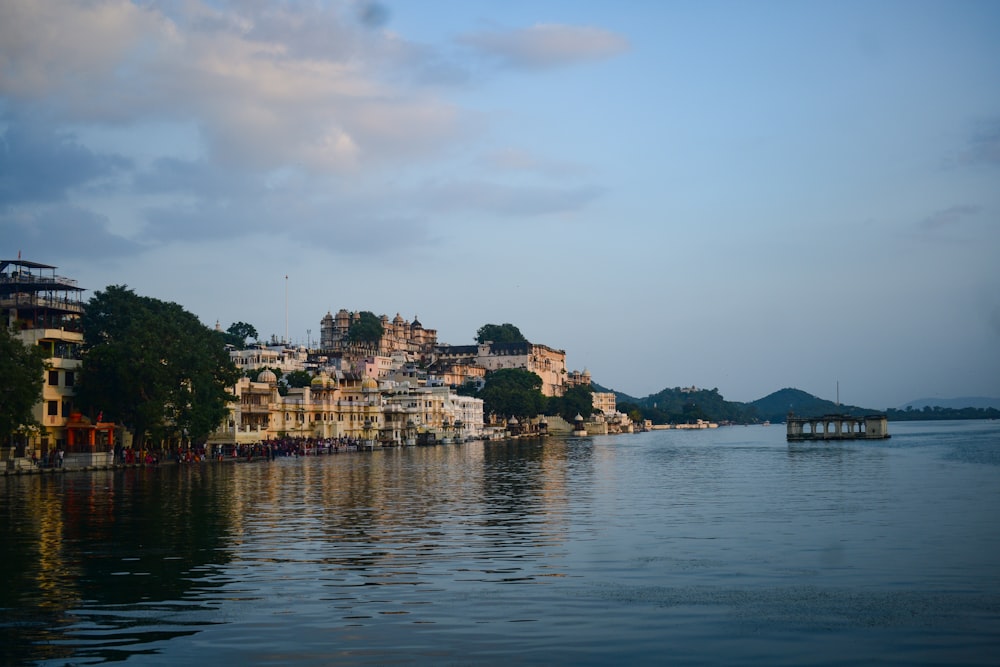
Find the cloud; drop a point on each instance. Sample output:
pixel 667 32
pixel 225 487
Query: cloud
pixel 984 144
pixel 306 211
pixel 39 163
pixel 546 46
pixel 268 86
pixel 208 120
pixel 62 231
pixel 949 217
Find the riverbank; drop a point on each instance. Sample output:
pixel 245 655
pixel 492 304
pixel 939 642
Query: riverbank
pixel 258 456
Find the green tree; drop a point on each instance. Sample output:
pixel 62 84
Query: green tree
pixel 239 333
pixel 513 392
pixel 298 379
pixel 22 368
pixel 575 401
pixel 500 333
pixel 153 367
pixel 367 329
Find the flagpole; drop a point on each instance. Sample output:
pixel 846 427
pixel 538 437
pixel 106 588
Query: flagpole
pixel 286 309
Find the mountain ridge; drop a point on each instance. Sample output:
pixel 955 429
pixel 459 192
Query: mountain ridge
pixel 682 404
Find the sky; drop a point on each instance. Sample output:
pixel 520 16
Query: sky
pixel 745 196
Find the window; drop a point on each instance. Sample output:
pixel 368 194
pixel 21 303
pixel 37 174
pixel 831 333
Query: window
pixel 53 408
pixel 70 378
pixel 53 379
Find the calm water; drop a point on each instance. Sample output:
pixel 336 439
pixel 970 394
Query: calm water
pixel 714 547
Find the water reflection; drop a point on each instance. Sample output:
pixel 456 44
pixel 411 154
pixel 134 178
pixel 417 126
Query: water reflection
pixel 583 551
pixel 89 556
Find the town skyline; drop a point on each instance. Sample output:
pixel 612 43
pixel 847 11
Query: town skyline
pixel 744 197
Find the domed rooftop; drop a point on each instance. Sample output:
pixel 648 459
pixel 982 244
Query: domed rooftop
pixel 267 376
pixel 321 381
pixel 369 384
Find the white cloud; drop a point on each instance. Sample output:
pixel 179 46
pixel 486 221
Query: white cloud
pixel 267 88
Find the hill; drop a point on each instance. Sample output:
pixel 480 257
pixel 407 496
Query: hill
pixel 680 405
pixel 683 405
pixel 981 402
pixel 775 407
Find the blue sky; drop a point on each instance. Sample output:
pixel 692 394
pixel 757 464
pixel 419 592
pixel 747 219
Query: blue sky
pixel 746 196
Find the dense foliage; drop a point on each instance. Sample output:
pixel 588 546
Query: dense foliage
pixel 683 406
pixel 298 378
pixel 939 413
pixel 22 368
pixel 367 329
pixel 499 333
pixel 575 401
pixel 512 392
pixel 153 367
pixel 239 333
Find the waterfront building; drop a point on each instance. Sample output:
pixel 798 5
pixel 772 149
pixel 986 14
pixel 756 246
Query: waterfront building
pixel 250 414
pixel 605 402
pixel 351 406
pixel 44 309
pixel 548 363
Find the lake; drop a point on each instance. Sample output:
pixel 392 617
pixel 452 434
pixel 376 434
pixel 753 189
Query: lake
pixel 723 546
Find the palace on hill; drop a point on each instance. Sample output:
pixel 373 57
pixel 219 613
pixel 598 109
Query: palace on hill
pixel 399 390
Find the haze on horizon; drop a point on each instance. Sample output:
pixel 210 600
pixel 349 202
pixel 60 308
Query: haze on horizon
pixel 745 196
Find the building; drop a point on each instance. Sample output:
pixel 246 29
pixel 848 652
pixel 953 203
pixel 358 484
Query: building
pixel 605 402
pixel 349 406
pixel 398 335
pixel 44 309
pixel 548 363
pixel 282 357
pixel 578 379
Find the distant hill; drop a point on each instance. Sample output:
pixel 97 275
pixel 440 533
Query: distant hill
pixel 955 403
pixel 775 407
pixel 684 405
pixel 679 405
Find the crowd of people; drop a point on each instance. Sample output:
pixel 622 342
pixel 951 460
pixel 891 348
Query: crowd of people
pixel 297 446
pixel 266 450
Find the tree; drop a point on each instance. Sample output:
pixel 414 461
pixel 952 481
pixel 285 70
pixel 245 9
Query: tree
pixel 238 333
pixel 500 333
pixel 153 367
pixel 367 329
pixel 22 368
pixel 298 379
pixel 575 401
pixel 513 391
